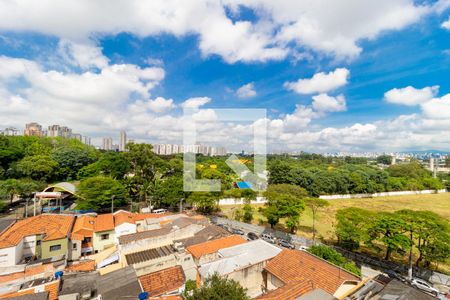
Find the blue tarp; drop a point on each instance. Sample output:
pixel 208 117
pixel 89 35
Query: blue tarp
pixel 243 185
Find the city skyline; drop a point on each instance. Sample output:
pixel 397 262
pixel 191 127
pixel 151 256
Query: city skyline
pixel 369 77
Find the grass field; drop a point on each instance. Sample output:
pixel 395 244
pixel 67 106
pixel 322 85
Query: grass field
pixel 325 221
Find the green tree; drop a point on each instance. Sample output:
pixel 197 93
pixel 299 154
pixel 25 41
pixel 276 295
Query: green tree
pixel 384 159
pixel 390 229
pixel 334 257
pixel 248 210
pixel 9 188
pixel 97 192
pixel 315 204
pixel 352 226
pixel 169 192
pixel 111 164
pixel 284 201
pixel 219 288
pixel 204 202
pixel 146 168
pixel 70 161
pixel 38 167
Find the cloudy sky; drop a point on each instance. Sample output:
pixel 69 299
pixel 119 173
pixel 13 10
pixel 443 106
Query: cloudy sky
pixel 348 75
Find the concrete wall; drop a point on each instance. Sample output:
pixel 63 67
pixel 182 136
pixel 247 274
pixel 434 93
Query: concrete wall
pixel 8 256
pixel 384 194
pixel 250 278
pixel 29 246
pixel 155 265
pixel 99 244
pixel 273 282
pixel 45 246
pixel 74 250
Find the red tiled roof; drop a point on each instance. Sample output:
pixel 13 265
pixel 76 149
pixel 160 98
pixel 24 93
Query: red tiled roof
pixel 295 265
pixel 28 272
pixel 82 266
pixel 83 227
pixel 213 246
pixel 104 222
pixel 289 291
pixel 163 282
pixel 124 216
pixel 52 226
pixel 52 288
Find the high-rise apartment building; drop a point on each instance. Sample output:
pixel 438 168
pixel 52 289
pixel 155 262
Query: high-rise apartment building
pixel 33 129
pixel 87 140
pixel 107 143
pixel 54 131
pixel 122 140
pixel 10 131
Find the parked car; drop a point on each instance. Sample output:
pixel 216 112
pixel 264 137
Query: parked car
pixel 237 231
pixel 268 238
pixel 302 247
pixel 394 275
pixel 424 286
pixel 286 244
pixel 252 236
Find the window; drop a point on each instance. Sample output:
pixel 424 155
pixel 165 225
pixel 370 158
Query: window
pixel 38 243
pixel 104 236
pixel 55 247
pixel 74 246
pixel 87 239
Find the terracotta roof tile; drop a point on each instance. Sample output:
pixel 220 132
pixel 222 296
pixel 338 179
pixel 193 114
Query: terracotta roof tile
pixel 52 288
pixel 83 227
pixel 52 226
pixel 82 266
pixel 163 282
pixel 123 216
pixel 289 291
pixel 28 272
pixel 295 265
pixel 104 222
pixel 215 245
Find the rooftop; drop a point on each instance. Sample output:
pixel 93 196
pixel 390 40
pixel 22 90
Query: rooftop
pixel 52 226
pixel 238 257
pixel 130 238
pixel 28 272
pixel 149 254
pixel 213 246
pixel 296 265
pixel 163 282
pixel 82 266
pixel 120 284
pixel 83 227
pixel 289 291
pixel 210 232
pixel 104 223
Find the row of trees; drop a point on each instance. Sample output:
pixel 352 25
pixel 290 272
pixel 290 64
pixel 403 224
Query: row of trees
pixel 339 177
pixel 403 233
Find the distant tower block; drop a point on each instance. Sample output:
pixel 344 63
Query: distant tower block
pixel 433 167
pixel 393 160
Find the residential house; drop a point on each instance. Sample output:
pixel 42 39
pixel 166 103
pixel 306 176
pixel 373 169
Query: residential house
pixel 39 237
pixel 82 236
pixel 179 228
pixel 207 251
pixel 166 282
pixel 244 263
pixel 298 268
pixel 104 232
pixel 156 259
pixel 35 288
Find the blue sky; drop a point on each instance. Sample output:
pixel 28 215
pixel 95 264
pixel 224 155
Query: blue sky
pixel 102 71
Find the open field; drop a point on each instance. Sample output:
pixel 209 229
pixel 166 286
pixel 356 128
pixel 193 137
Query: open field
pixel 438 203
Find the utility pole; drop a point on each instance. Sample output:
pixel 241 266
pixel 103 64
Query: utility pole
pixel 112 203
pixel 181 205
pixel 34 206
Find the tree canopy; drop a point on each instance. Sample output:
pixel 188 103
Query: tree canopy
pixel 219 288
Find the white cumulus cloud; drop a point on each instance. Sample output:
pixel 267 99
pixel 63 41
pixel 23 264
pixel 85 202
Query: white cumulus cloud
pixel 321 82
pixel 195 102
pixel 410 95
pixel 325 103
pixel 446 24
pixel 246 91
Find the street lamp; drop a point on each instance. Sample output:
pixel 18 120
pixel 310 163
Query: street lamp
pixel 112 203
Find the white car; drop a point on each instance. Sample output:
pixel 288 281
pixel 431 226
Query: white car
pixel 304 248
pixel 424 286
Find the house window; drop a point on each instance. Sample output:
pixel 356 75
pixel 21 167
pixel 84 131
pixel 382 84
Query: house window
pixel 74 246
pixel 87 239
pixel 104 236
pixel 55 247
pixel 38 243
